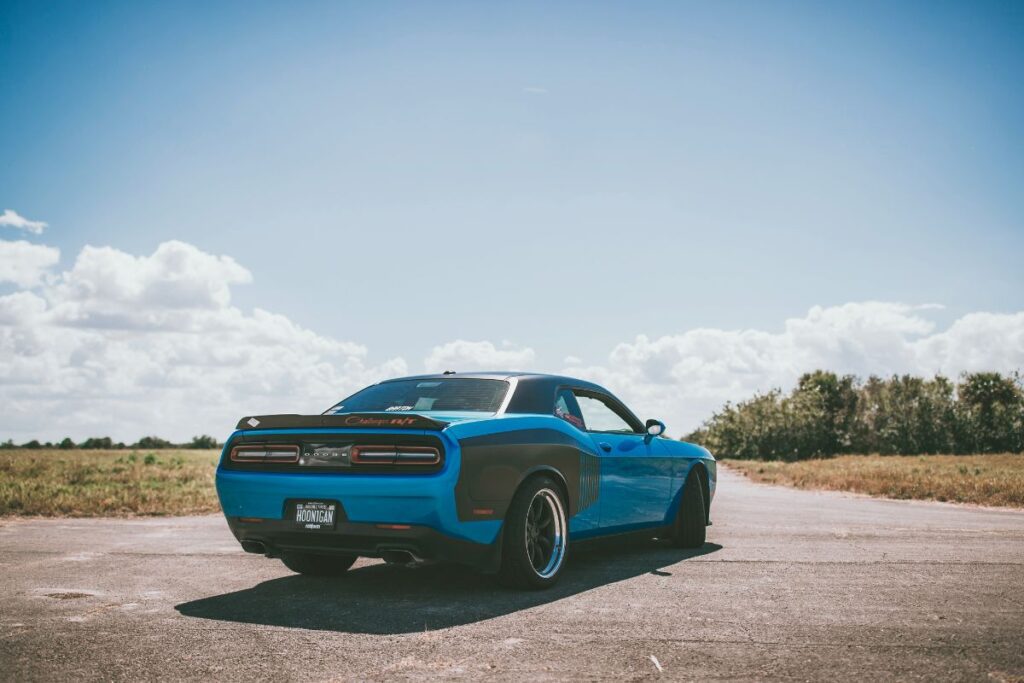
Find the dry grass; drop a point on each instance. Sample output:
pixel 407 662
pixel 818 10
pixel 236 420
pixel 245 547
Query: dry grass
pixel 981 479
pixel 180 482
pixel 107 483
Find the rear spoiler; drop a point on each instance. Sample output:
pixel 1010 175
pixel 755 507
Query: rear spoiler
pixel 349 420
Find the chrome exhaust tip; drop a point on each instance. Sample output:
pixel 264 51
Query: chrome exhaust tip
pixel 257 547
pixel 400 556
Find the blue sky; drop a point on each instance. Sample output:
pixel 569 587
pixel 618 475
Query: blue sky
pixel 563 176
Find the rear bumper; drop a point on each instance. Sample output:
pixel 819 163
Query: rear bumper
pixel 425 503
pixel 274 537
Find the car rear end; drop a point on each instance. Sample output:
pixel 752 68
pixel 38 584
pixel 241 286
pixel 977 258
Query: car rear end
pixel 373 485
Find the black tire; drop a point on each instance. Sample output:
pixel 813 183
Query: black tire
pixel 535 541
pixel 318 565
pixel 690 528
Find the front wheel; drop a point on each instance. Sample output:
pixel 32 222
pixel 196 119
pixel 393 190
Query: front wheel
pixel 689 529
pixel 318 565
pixel 536 536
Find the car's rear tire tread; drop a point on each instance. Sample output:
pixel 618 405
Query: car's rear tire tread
pixel 516 569
pixel 310 564
pixel 689 529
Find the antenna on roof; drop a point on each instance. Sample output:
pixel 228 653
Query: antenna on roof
pixel 449 372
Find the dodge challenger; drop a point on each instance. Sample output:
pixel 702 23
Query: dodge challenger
pixel 502 471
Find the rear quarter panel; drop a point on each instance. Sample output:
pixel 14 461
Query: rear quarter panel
pixel 498 454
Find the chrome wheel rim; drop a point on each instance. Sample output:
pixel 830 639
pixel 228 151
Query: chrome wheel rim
pixel 545 533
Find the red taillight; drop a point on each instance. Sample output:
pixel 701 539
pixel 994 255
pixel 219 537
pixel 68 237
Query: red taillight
pixel 265 453
pixel 395 455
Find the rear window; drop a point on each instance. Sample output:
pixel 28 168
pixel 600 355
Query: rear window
pixel 449 395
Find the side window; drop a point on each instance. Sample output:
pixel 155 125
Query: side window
pixel 599 417
pixel 568 409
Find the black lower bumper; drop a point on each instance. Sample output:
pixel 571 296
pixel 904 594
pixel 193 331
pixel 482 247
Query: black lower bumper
pixel 273 537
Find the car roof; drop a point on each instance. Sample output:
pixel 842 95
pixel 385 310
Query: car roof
pixel 489 374
pixel 534 392
pixel 528 377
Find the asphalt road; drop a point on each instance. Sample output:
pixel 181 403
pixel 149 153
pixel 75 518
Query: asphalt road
pixel 792 584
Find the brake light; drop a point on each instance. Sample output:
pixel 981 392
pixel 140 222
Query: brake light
pixel 395 455
pixel 265 453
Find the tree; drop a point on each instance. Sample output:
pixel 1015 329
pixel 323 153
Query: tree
pixel 97 442
pixel 826 407
pixel 908 415
pixel 826 414
pixel 756 428
pixel 990 413
pixel 67 443
pixel 153 442
pixel 204 442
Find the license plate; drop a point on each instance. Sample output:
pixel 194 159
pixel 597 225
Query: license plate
pixel 315 515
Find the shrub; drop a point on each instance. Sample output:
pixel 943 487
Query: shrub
pixel 826 415
pixel 203 442
pixel 153 442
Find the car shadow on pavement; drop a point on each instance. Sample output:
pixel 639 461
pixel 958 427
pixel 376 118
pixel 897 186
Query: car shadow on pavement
pixel 384 599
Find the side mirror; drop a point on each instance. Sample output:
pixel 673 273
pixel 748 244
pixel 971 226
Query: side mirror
pixel 655 427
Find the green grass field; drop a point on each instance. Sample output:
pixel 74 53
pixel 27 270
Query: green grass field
pixel 91 483
pixel 981 479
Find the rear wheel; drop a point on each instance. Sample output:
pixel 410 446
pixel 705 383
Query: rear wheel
pixel 689 529
pixel 318 565
pixel 536 536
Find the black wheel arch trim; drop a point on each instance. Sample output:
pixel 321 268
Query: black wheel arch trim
pixel 543 470
pixel 494 466
pixel 704 477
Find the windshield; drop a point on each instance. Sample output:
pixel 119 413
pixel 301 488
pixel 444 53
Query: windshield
pixel 449 395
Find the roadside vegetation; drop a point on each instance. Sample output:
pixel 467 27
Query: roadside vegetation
pixel 827 414
pixel 933 439
pixel 203 442
pixel 991 479
pixel 90 483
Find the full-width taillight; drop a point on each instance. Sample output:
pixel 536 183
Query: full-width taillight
pixel 395 455
pixel 265 453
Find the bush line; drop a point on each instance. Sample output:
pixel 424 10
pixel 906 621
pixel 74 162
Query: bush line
pixel 203 442
pixel 827 414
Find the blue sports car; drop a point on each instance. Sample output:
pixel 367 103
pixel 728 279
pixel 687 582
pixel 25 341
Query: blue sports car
pixel 503 471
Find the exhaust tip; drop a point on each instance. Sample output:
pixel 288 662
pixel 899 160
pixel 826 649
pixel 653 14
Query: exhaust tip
pixel 254 547
pixel 397 556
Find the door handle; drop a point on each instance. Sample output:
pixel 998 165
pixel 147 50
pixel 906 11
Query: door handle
pixel 605 446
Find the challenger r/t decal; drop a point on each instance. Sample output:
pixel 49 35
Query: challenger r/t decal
pixel 360 421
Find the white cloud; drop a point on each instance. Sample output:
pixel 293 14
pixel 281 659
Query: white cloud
pixel 463 356
pixel 11 219
pixel 684 378
pixel 24 263
pixel 126 346
pixel 977 341
pixel 21 308
pixel 170 289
